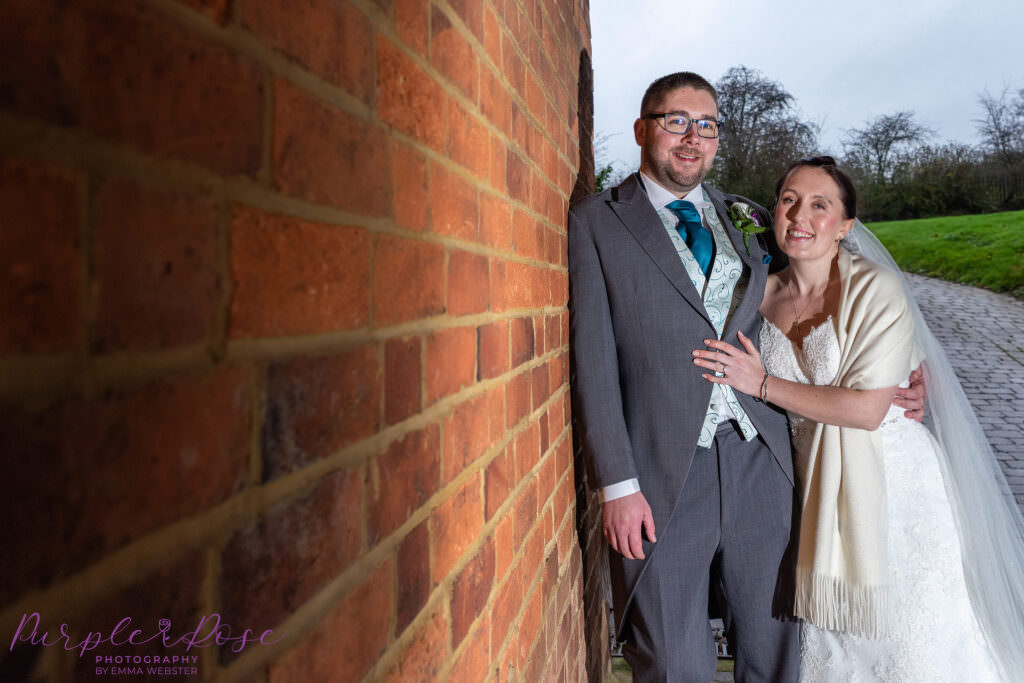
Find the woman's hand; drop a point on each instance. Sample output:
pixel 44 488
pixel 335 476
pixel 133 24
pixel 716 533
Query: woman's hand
pixel 739 369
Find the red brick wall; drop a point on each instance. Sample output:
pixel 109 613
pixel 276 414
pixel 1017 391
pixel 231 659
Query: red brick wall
pixel 283 289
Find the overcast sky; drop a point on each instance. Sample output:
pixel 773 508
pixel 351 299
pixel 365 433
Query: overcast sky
pixel 844 62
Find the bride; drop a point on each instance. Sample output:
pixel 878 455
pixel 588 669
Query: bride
pixel 911 549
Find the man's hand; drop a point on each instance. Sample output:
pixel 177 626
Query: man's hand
pixel 913 397
pixel 623 519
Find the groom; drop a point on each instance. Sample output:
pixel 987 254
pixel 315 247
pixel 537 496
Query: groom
pixel 697 481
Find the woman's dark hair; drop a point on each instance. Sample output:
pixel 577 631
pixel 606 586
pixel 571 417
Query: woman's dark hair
pixel 847 192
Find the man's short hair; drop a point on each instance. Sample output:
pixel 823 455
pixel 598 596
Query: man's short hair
pixel 657 90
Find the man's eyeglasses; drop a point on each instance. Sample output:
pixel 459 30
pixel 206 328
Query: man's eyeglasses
pixel 679 124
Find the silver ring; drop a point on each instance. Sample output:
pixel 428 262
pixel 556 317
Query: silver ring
pixel 725 368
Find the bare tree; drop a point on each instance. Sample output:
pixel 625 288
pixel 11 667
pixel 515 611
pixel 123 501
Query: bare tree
pixel 877 147
pixel 761 134
pixel 1001 126
pixel 608 172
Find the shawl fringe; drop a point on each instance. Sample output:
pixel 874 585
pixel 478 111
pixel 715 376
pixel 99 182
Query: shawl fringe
pixel 833 604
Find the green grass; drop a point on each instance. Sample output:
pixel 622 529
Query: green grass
pixel 985 250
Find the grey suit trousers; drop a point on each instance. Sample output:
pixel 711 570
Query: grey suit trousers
pixel 735 534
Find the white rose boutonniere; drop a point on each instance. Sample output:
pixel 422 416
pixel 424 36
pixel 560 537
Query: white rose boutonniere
pixel 746 221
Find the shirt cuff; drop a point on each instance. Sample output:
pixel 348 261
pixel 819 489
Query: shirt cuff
pixel 619 490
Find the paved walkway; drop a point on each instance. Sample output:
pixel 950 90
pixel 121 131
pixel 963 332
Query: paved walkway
pixel 983 335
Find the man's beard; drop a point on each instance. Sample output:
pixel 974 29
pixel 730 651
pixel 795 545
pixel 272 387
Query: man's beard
pixel 684 182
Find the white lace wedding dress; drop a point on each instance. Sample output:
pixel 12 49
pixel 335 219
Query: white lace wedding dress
pixel 934 636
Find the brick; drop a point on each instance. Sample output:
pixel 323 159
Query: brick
pixel 492 36
pixel 469 142
pixel 526 235
pixel 217 10
pixel 171 592
pixel 548 477
pixel 453 204
pixel 507 604
pixel 401 480
pixel 527 449
pixel 499 165
pixel 499 480
pixel 517 176
pixel 323 154
pixel 555 422
pixel 495 102
pixel 508 667
pixel 513 67
pixel 412 23
pixel 347 642
pixel 535 151
pixel 399 261
pixel 498 304
pixel 518 132
pixel 565 497
pixel 492 350
pixel 560 288
pixel 409 178
pixel 558 374
pixel 273 566
pixel 403 389
pixel 408 99
pixel 539 336
pixel 471 590
pixel 96 473
pixel 522 340
pixel 517 399
pixel 332 40
pixel 424 656
pixel 475 659
pixel 41 262
pixel 504 544
pixel 495 222
pixel 531 621
pixel 566 534
pixel 553 332
pixel 156 268
pixel 128 75
pixel 540 389
pixel 468 283
pixel 466 436
pixel 526 512
pixel 452 55
pixel 543 422
pixel 413 575
pixel 472 15
pixel 551 163
pixel 496 408
pixel 454 526
pixel 296 277
pixel 450 361
pixel 521 281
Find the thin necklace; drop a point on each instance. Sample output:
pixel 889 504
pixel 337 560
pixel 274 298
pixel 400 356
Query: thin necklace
pixel 792 302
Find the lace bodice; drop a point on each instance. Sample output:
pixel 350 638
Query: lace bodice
pixel 935 637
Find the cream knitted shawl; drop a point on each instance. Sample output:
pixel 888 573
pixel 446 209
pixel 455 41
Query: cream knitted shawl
pixel 842 568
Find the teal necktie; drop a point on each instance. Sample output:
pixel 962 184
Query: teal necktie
pixel 693 232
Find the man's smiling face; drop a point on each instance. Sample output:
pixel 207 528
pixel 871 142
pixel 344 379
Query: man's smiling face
pixel 677 162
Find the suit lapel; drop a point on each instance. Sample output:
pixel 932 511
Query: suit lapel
pixel 754 260
pixel 638 216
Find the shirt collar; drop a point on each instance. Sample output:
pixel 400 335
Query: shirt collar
pixel 659 196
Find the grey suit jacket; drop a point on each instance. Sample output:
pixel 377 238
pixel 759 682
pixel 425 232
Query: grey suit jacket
pixel 635 318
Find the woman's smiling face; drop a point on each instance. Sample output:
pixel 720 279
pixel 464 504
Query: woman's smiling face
pixel 809 215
